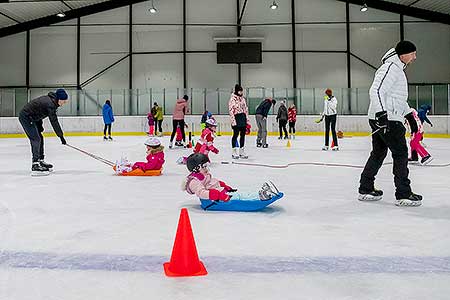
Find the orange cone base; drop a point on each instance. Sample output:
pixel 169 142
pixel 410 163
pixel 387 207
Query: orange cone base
pixel 171 274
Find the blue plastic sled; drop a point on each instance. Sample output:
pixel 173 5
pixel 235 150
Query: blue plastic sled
pixel 239 205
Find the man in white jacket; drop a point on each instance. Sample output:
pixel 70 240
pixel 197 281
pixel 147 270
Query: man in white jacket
pixel 388 106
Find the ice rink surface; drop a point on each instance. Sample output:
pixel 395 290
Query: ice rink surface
pixel 84 233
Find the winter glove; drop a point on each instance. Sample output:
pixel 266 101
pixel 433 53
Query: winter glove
pixel 319 119
pixel 63 140
pixel 431 124
pixel 381 121
pixel 216 195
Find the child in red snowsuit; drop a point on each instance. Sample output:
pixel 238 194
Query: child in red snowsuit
pixel 292 118
pixel 205 143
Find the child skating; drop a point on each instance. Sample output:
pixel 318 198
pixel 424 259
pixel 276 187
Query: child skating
pixel 416 128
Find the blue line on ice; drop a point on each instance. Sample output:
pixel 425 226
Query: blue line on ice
pixel 234 264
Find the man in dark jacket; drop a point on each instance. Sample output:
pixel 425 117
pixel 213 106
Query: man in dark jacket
pixel 31 117
pixel 261 121
pixel 282 118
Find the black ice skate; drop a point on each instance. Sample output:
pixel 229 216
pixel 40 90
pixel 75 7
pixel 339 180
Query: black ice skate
pixel 110 138
pixel 46 165
pixel 426 160
pixel 412 200
pixel 38 170
pixel 374 195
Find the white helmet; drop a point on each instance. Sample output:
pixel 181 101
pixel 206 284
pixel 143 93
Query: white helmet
pixel 152 142
pixel 211 122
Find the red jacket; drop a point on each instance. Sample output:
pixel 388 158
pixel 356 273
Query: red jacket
pixel 155 161
pixel 292 114
pixel 205 143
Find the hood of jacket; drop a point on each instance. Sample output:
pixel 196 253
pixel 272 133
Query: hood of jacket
pixel 391 57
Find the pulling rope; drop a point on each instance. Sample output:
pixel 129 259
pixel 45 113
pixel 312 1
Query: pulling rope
pixel 317 164
pixel 103 160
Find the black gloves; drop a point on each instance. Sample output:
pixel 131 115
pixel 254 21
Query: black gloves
pixel 231 190
pixel 381 121
pixel 63 140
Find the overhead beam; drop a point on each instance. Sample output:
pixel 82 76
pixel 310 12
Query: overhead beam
pixel 71 14
pixel 405 10
pixel 67 5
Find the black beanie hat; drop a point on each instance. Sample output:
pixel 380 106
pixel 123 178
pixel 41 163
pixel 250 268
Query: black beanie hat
pixel 405 47
pixel 237 88
pixel 186 97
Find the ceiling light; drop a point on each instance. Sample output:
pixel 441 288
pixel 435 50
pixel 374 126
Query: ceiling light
pixel 61 15
pixel 152 9
pixel 364 8
pixel 274 5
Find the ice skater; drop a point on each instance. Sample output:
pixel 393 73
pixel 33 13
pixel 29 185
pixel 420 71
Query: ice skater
pixel 206 142
pixel 292 119
pixel 416 128
pixel 330 115
pixel 388 107
pixel 201 183
pixel 282 119
pixel 261 121
pixel 238 110
pixel 151 124
pixel 108 119
pixel 181 108
pixel 31 116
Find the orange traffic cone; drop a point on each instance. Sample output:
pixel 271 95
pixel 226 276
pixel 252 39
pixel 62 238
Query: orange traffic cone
pixel 288 145
pixel 184 260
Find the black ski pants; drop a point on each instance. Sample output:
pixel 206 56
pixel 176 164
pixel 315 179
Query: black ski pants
pixel 33 130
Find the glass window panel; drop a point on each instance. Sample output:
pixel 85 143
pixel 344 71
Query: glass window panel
pixel 441 98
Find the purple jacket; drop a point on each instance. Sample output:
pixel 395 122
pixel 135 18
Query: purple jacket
pixel 151 120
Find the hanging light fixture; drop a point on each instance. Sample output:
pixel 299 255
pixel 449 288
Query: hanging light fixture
pixel 364 8
pixel 61 15
pixel 152 9
pixel 274 5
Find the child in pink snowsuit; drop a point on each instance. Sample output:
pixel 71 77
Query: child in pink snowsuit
pixel 155 156
pixel 151 124
pixel 206 141
pixel 416 128
pixel 201 183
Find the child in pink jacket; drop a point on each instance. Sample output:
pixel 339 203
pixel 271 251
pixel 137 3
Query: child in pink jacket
pixel 201 183
pixel 155 156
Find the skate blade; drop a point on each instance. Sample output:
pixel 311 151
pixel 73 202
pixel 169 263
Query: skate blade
pixel 427 161
pixel 39 173
pixel 369 198
pixel 408 203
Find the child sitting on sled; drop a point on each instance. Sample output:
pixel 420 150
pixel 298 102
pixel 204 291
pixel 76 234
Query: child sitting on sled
pixel 201 183
pixel 206 141
pixel 155 158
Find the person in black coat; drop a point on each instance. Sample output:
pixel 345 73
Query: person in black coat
pixel 282 118
pixel 261 121
pixel 31 116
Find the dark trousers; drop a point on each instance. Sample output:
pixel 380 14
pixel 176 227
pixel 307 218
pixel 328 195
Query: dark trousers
pixel 394 140
pixel 158 124
pixel 282 127
pixel 34 130
pixel 176 123
pixel 236 132
pixel 107 126
pixel 291 127
pixel 330 121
